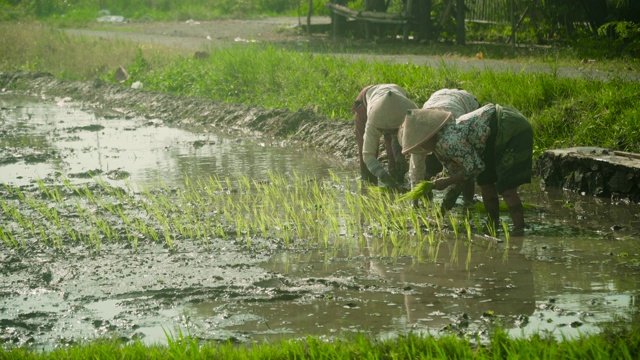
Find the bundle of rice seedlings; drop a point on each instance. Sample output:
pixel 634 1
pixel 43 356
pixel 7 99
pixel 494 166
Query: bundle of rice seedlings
pixel 419 191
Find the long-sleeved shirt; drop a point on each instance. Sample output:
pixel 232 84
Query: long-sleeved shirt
pixel 458 102
pixel 387 105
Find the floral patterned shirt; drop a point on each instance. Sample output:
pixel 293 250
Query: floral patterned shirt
pixel 458 102
pixel 461 145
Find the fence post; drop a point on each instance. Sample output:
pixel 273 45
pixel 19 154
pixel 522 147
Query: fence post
pixel 460 16
pixel 513 21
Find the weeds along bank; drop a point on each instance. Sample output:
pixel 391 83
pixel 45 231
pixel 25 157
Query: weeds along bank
pixel 613 345
pixel 317 88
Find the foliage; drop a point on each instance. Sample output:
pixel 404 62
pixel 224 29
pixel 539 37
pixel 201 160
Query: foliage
pixel 58 10
pixel 624 37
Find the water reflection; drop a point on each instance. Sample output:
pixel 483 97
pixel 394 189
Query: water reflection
pixel 383 295
pixel 73 141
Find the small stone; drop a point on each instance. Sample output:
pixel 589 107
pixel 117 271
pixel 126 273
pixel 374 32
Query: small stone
pixel 121 74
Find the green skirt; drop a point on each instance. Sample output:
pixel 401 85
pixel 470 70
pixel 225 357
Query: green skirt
pixel 509 154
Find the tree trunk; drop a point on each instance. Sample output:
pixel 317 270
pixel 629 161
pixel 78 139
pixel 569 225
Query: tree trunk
pixel 597 13
pixel 460 16
pixel 423 19
pixel 309 13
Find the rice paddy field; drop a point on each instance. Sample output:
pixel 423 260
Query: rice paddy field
pixel 120 227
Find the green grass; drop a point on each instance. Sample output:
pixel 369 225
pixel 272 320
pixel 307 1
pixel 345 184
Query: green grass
pixel 624 344
pixel 81 12
pixel 564 111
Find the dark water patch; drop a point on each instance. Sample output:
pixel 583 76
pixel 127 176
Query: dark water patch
pixel 92 127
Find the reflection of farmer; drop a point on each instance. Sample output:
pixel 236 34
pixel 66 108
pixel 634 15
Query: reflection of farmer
pixel 379 111
pixel 493 144
pixel 452 283
pixel 423 166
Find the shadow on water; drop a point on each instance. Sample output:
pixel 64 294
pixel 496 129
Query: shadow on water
pixel 576 269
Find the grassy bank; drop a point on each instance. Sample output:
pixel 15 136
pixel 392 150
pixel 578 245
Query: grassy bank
pixel 564 112
pixel 611 345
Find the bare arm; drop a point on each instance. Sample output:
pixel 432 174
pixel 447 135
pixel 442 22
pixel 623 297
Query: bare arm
pixel 444 183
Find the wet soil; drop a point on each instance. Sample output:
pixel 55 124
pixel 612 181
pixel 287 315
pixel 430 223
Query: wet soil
pixel 304 126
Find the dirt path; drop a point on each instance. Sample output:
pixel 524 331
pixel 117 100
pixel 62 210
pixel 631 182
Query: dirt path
pixel 195 35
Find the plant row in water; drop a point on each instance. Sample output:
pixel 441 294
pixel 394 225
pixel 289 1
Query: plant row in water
pixel 291 211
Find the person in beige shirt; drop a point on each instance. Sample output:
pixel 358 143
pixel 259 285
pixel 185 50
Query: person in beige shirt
pixel 379 112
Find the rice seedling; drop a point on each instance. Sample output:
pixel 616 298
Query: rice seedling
pixel 505 227
pixel 8 238
pixel 467 226
pixel 295 210
pixel 419 191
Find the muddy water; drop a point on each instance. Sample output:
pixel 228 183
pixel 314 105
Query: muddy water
pixel 58 138
pixel 575 270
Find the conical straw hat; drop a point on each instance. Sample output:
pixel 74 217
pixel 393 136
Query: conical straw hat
pixel 387 110
pixel 421 125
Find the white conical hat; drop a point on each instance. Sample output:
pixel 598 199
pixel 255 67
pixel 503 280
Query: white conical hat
pixel 387 106
pixel 420 125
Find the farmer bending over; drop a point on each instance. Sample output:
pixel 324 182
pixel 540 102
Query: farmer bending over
pixel 493 144
pixel 379 111
pixel 424 166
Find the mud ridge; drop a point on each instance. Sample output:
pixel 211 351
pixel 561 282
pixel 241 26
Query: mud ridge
pixel 304 126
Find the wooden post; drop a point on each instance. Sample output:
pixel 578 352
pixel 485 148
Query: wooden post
pixel 460 26
pixel 309 13
pixel 408 12
pixel 513 21
pixel 425 15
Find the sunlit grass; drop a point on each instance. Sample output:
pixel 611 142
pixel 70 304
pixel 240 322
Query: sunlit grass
pixel 39 47
pixel 620 344
pixel 563 111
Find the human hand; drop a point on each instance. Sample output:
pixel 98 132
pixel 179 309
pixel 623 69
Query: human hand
pixel 389 181
pixel 440 184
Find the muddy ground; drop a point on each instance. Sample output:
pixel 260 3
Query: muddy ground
pixel 52 297
pixel 303 126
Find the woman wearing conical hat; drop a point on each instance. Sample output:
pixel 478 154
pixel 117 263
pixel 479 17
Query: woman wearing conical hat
pixel 379 111
pixel 423 166
pixel 493 144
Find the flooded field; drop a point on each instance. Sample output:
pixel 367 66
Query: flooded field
pixel 68 169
